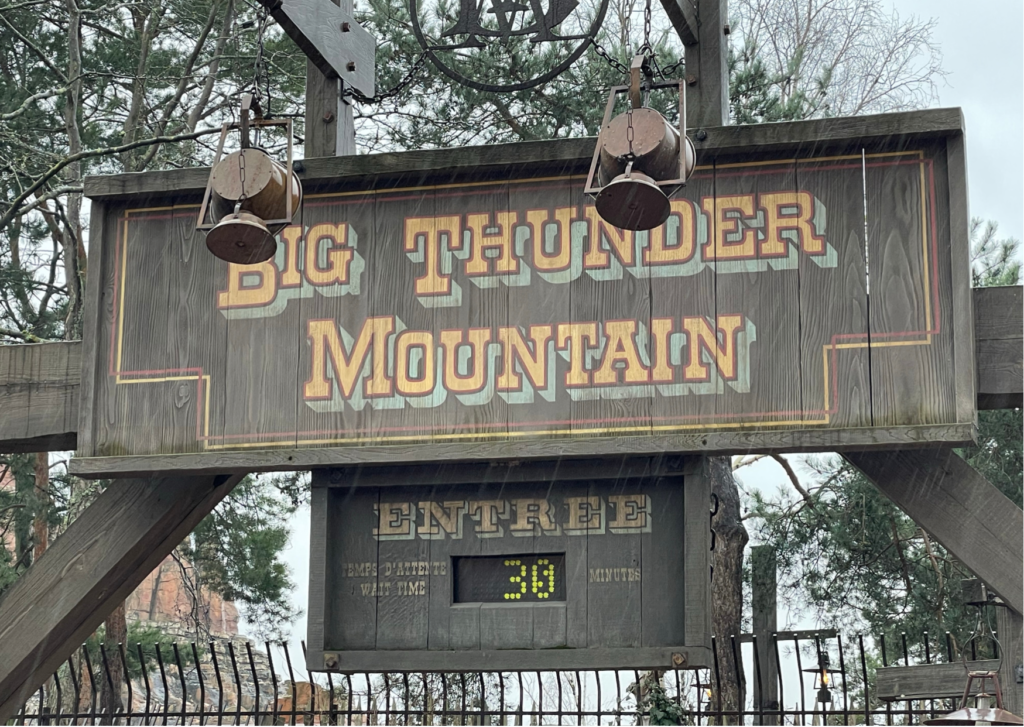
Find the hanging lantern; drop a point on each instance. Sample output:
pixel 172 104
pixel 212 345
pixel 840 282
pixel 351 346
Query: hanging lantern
pixel 982 714
pixel 250 196
pixel 639 156
pixel 823 678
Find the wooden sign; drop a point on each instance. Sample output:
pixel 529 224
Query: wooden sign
pixel 602 571
pixel 791 302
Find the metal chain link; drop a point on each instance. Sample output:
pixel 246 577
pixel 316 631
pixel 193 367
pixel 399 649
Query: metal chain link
pixel 668 71
pixel 260 74
pixel 629 130
pixel 392 92
pixel 614 63
pixel 241 176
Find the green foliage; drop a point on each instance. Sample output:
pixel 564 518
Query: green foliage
pixel 140 636
pixel 661 709
pixel 236 552
pixel 755 91
pixel 993 261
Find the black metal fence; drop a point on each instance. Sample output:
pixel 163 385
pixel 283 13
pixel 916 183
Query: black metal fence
pixel 820 680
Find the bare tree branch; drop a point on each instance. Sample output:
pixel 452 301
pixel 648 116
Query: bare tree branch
pixel 15 206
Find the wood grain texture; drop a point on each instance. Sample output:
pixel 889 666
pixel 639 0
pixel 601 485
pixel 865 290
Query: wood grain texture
pixel 999 346
pixel 927 681
pixel 104 554
pixel 764 607
pixel 682 14
pixel 516 659
pixel 697 487
pixel 489 317
pixel 972 519
pixel 39 396
pixel 100 220
pixel 753 442
pixel 1010 630
pixel 388 586
pixel 955 172
pixel 707 100
pixel 557 154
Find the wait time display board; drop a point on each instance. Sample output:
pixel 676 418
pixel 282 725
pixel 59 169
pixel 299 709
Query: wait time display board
pixel 569 573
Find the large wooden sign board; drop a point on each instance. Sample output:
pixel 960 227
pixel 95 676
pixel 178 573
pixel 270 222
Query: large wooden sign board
pixel 584 570
pixel 804 295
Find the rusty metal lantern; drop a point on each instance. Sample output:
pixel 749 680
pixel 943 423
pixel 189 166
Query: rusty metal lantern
pixel 639 155
pixel 250 196
pixel 982 712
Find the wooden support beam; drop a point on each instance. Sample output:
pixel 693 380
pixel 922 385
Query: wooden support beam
pixel 707 67
pixel 330 125
pixel 103 555
pixel 972 519
pixel 999 346
pixel 763 592
pixel 39 396
pixel 927 681
pixel 683 16
pixel 1009 626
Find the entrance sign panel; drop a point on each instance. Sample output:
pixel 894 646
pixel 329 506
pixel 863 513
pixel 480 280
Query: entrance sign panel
pixel 530 573
pixel 790 302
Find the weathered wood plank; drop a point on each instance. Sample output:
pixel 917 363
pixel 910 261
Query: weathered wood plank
pixel 96 563
pixel 753 442
pixel 999 329
pixel 555 154
pixel 972 519
pixel 330 129
pixel 764 622
pixel 1009 626
pixel 682 14
pixel 39 396
pixel 927 681
pixel 960 274
pixel 999 346
pixel 515 659
pixel 707 66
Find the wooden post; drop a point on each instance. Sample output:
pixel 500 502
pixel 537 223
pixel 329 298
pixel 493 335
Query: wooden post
pixel 103 555
pixel 972 519
pixel 763 591
pixel 1008 631
pixel 330 129
pixel 707 67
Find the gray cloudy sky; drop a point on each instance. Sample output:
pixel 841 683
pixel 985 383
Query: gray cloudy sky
pixel 983 52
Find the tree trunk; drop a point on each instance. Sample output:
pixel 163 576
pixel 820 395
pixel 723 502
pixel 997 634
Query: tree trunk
pixel 116 627
pixel 40 526
pixel 727 586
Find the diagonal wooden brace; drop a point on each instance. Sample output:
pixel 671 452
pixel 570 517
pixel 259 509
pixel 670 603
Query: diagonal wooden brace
pixel 104 555
pixel 947 497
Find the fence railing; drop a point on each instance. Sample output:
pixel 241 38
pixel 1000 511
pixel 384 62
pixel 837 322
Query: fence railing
pixel 236 682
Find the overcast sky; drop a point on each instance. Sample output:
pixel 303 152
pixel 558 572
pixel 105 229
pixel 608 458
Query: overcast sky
pixel 983 53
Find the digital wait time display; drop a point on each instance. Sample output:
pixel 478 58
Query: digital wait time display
pixel 509 578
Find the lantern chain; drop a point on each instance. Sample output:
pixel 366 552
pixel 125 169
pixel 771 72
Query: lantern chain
pixel 629 130
pixel 613 62
pixel 646 49
pixel 241 179
pixel 667 71
pixel 260 74
pixel 397 89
